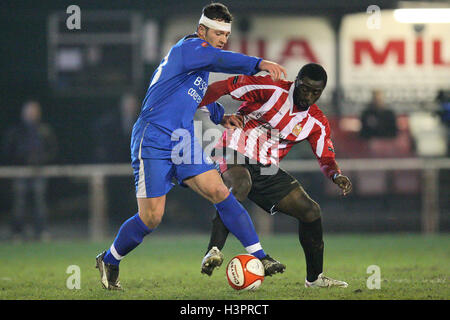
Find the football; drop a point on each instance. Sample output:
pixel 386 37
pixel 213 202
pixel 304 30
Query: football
pixel 245 272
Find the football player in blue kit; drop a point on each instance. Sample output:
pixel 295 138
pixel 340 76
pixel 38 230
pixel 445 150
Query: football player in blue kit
pixel 166 122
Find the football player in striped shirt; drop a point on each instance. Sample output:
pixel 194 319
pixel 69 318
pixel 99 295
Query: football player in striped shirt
pixel 166 121
pixel 275 116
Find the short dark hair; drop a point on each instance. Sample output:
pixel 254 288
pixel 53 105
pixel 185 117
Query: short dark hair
pixel 217 11
pixel 313 71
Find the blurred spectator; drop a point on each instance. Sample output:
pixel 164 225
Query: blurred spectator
pixel 377 120
pixel 443 100
pixel 30 143
pixel 113 132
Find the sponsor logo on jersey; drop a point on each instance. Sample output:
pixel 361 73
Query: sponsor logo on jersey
pixel 297 129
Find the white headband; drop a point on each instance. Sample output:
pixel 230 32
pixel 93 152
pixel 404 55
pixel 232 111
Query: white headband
pixel 214 24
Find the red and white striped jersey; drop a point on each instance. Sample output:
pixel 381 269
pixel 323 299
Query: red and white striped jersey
pixel 272 122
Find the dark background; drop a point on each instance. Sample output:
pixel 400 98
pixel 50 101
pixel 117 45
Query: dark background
pixel 23 75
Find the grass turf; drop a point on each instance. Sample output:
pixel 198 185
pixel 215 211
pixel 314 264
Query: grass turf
pixel 168 267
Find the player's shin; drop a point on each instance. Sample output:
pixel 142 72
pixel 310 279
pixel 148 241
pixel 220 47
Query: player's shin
pixel 238 222
pixel 130 235
pixel 311 239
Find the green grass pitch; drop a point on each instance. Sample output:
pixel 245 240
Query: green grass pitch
pixel 168 267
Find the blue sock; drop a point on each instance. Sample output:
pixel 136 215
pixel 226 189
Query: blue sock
pixel 130 235
pixel 237 220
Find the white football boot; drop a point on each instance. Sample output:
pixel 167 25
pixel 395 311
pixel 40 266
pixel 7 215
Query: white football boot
pixel 213 259
pixel 325 282
pixel 109 274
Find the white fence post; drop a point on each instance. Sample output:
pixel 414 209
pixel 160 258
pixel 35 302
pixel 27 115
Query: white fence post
pixel 97 207
pixel 430 201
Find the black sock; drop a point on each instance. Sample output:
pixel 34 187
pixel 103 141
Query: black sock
pixel 219 234
pixel 310 236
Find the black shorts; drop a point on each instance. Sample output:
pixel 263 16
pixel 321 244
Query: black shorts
pixel 267 190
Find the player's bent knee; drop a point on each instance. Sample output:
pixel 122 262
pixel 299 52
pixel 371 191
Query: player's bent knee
pixel 218 193
pixel 241 188
pixel 314 213
pixel 239 180
pixel 151 218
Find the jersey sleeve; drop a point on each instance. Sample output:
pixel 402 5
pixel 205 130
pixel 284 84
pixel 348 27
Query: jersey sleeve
pixel 216 111
pixel 322 146
pixel 243 88
pixel 198 54
pixel 251 88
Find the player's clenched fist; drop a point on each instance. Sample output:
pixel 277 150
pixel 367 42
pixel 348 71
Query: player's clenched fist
pixel 344 183
pixel 273 68
pixel 232 121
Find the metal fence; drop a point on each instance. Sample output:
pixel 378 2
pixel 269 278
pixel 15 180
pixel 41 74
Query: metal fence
pixel 95 176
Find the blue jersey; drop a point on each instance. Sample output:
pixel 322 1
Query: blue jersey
pixel 178 86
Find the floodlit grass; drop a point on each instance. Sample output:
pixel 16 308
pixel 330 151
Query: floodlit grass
pixel 168 268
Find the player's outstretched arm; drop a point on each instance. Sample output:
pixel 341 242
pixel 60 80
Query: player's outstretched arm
pixel 247 92
pixel 214 92
pixel 197 54
pixel 274 69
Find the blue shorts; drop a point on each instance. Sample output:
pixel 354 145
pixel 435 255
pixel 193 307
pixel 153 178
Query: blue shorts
pixel 154 169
